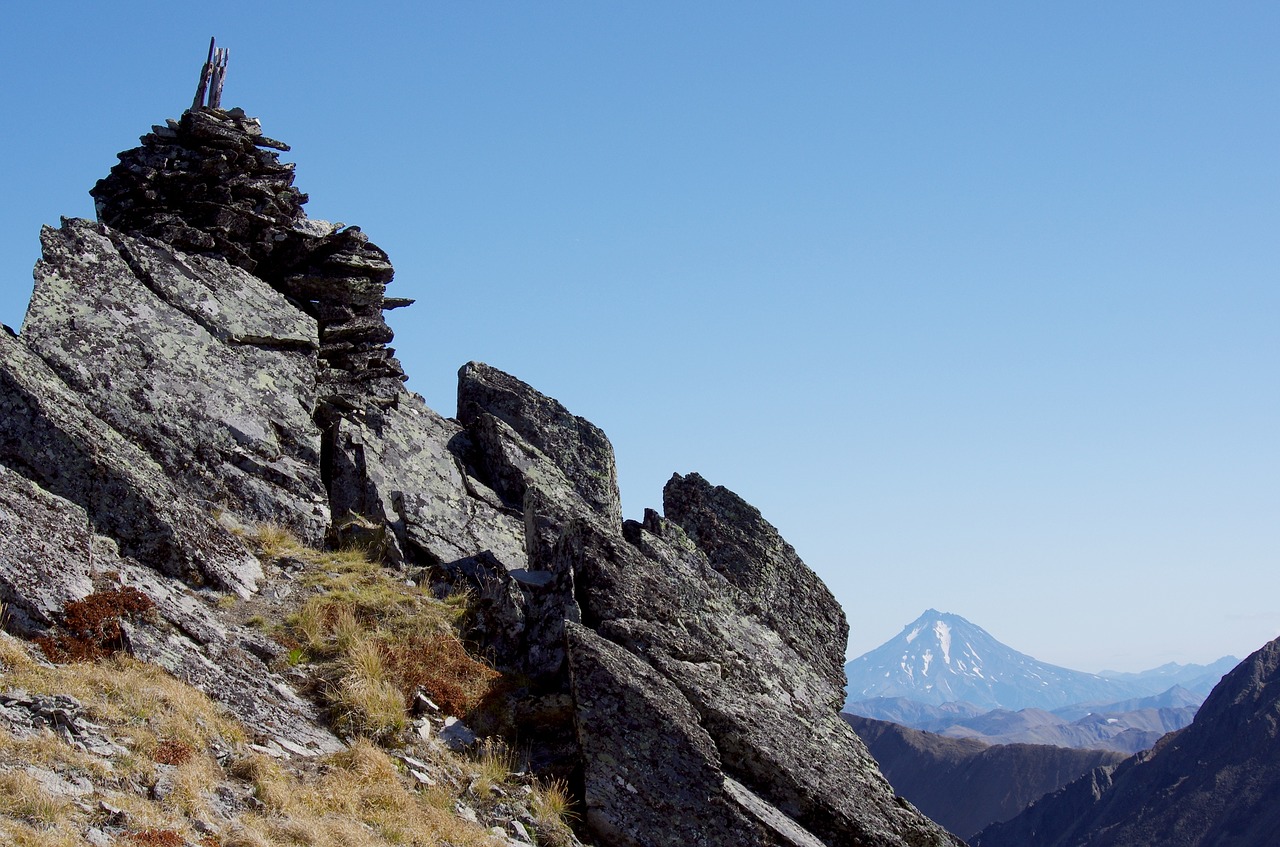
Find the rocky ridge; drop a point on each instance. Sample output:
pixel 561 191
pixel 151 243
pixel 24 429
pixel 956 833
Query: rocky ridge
pixel 205 358
pixel 1213 783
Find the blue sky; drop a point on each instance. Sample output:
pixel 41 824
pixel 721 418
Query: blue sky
pixel 976 302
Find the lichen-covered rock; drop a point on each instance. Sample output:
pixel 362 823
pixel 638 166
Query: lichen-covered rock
pixel 48 435
pixel 780 589
pixel 47 554
pixel 205 366
pixel 396 467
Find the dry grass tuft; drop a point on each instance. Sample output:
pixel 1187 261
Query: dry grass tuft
pixel 493 764
pixel 23 797
pixel 552 809
pixel 377 640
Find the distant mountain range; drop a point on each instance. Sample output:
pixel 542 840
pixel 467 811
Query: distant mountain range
pixel 941 658
pixel 1124 727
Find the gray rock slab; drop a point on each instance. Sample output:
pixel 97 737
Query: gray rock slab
pixel 652 776
pixel 749 551
pixel 46 558
pixel 202 364
pixel 766 709
pixel 48 435
pixel 395 466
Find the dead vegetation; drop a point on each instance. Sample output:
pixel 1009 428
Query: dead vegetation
pixel 91 628
pixel 376 640
pixel 178 771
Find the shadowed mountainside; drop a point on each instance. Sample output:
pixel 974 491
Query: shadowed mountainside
pixel 965 784
pixel 1213 783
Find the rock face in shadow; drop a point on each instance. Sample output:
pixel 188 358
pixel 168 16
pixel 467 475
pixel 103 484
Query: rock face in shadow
pixel 205 357
pixel 965 784
pixel 1212 783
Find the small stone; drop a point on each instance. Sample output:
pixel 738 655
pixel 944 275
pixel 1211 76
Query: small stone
pixel 97 837
pixel 457 735
pixel 465 812
pixel 518 830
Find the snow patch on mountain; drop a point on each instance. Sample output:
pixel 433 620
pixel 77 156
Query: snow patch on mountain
pixel 943 658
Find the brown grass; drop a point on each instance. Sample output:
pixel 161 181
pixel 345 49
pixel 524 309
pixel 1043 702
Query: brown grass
pixel 377 640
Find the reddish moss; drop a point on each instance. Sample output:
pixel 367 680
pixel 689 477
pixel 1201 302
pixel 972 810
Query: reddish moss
pixel 157 838
pixel 171 751
pixel 91 627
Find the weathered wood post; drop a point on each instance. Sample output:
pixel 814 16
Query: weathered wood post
pixel 212 75
pixel 205 73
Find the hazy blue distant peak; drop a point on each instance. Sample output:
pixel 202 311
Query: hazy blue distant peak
pixel 942 658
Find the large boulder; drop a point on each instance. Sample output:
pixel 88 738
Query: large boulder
pixel 48 435
pixel 206 367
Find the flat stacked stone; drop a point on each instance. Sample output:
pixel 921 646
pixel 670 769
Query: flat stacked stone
pixel 212 184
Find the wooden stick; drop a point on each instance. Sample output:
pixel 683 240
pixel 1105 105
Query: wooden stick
pixel 205 73
pixel 219 77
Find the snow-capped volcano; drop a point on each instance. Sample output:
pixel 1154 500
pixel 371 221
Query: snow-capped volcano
pixel 943 658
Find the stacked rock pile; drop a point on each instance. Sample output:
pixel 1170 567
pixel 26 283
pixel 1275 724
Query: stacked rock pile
pixel 211 183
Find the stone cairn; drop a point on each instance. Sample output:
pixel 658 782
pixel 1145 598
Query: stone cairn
pixel 212 184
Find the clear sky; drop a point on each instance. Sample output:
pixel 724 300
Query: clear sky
pixel 977 302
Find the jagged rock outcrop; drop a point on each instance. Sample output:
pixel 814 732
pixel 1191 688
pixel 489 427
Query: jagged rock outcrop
pixel 205 357
pixel 577 446
pixel 204 365
pixel 749 552
pixel 654 592
pixel 1212 783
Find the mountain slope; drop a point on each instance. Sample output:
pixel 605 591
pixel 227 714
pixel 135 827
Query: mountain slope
pixel 965 784
pixel 941 657
pixel 1213 783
